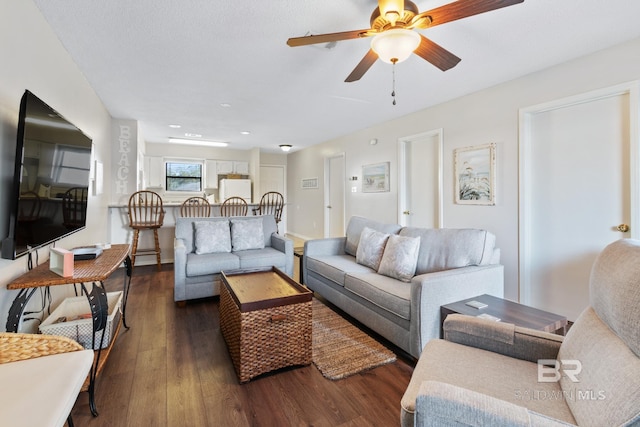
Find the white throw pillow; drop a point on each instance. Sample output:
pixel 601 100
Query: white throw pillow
pixel 371 247
pixel 400 257
pixel 247 234
pixel 212 237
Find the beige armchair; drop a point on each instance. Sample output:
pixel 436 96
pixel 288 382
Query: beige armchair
pixel 488 373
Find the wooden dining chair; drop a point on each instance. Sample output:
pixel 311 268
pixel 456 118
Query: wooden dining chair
pixel 195 207
pixel 234 206
pixel 146 212
pixel 74 207
pixel 271 203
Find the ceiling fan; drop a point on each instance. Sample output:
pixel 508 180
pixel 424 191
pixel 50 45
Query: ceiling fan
pixel 393 24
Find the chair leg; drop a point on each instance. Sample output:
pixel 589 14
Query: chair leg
pixel 134 247
pixel 157 242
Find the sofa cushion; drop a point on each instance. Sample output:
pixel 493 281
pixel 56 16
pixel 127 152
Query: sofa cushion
pixel 371 247
pixel 212 237
pixel 334 267
pixel 445 248
pixel 355 227
pixel 186 231
pixel 385 292
pixel 614 290
pixel 609 383
pixel 246 234
pixel 400 257
pixel 266 257
pixel 199 265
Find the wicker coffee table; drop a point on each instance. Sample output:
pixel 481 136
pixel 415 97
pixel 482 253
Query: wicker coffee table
pixel 265 318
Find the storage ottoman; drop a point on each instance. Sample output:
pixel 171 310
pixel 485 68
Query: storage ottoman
pixel 265 318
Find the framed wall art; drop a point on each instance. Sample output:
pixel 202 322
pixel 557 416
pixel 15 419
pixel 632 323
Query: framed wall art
pixel 475 174
pixel 375 178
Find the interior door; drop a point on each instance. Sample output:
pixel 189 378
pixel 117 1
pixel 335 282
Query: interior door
pixel 578 194
pixel 420 174
pixel 334 196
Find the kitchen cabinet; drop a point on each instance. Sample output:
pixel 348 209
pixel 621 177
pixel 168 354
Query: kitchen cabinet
pixel 225 167
pixel 153 172
pixel 211 174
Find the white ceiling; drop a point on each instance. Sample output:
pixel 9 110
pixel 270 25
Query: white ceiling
pixel 165 62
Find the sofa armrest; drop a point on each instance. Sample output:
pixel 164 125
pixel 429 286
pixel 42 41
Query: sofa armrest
pixel 179 269
pixel 285 245
pixel 323 247
pixel 440 404
pixel 431 290
pixel 503 338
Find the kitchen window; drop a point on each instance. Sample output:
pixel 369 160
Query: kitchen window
pixel 183 176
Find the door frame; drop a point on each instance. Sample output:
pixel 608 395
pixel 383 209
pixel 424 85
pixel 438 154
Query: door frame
pixel 526 141
pixel 402 175
pixel 327 191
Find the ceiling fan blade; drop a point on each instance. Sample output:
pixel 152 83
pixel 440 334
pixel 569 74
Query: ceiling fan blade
pixel 458 10
pixel 330 37
pixel 436 54
pixel 363 66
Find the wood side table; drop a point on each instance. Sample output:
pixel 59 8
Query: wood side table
pixel 509 312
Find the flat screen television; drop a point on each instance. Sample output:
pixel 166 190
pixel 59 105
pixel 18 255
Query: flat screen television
pixel 51 179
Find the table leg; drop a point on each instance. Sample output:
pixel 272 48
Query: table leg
pixel 17 308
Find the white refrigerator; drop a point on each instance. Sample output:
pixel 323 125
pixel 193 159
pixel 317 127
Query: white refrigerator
pixel 234 188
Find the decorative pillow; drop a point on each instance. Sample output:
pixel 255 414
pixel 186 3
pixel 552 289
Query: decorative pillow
pixel 212 237
pixel 400 257
pixel 371 247
pixel 247 234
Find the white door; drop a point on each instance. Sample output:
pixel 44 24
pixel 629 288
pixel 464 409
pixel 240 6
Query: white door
pixel 334 196
pixel 420 174
pixel 273 178
pixel 576 189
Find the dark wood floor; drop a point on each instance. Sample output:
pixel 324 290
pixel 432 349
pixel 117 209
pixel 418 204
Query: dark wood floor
pixel 172 368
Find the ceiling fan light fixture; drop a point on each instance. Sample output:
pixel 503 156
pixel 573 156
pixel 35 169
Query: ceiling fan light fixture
pixel 393 46
pixel 285 147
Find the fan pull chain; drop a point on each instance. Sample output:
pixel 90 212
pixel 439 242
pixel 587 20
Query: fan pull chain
pixel 393 91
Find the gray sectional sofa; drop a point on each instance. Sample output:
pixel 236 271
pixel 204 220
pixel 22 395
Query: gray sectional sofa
pixel 402 305
pixel 203 247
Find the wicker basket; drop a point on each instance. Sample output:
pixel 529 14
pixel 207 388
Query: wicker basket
pixel 261 341
pixel 81 330
pixel 14 347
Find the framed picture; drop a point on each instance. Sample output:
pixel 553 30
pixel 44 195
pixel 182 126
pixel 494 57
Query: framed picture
pixel 375 178
pixel 475 175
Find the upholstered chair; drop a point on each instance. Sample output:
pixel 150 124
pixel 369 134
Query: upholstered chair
pixel 496 374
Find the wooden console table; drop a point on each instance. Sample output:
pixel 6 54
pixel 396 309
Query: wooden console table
pixel 94 271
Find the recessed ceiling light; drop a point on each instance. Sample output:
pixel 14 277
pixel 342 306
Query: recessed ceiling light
pixel 198 142
pixel 175 126
pixel 245 132
pixel 193 135
pixel 225 105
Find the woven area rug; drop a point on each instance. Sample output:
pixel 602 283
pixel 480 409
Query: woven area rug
pixel 340 349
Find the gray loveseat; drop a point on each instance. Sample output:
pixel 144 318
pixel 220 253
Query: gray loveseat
pixel 203 247
pixel 451 265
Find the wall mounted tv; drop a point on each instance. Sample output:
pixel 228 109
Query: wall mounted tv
pixel 51 179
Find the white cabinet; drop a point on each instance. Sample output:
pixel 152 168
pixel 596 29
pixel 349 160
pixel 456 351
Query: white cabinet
pixel 153 172
pixel 241 167
pixel 211 174
pixel 224 167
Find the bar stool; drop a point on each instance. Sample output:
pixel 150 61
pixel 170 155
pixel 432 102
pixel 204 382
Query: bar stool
pixel 145 213
pixel 234 206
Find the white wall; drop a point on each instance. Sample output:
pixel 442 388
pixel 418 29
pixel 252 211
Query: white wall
pixel 490 115
pixel 33 58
